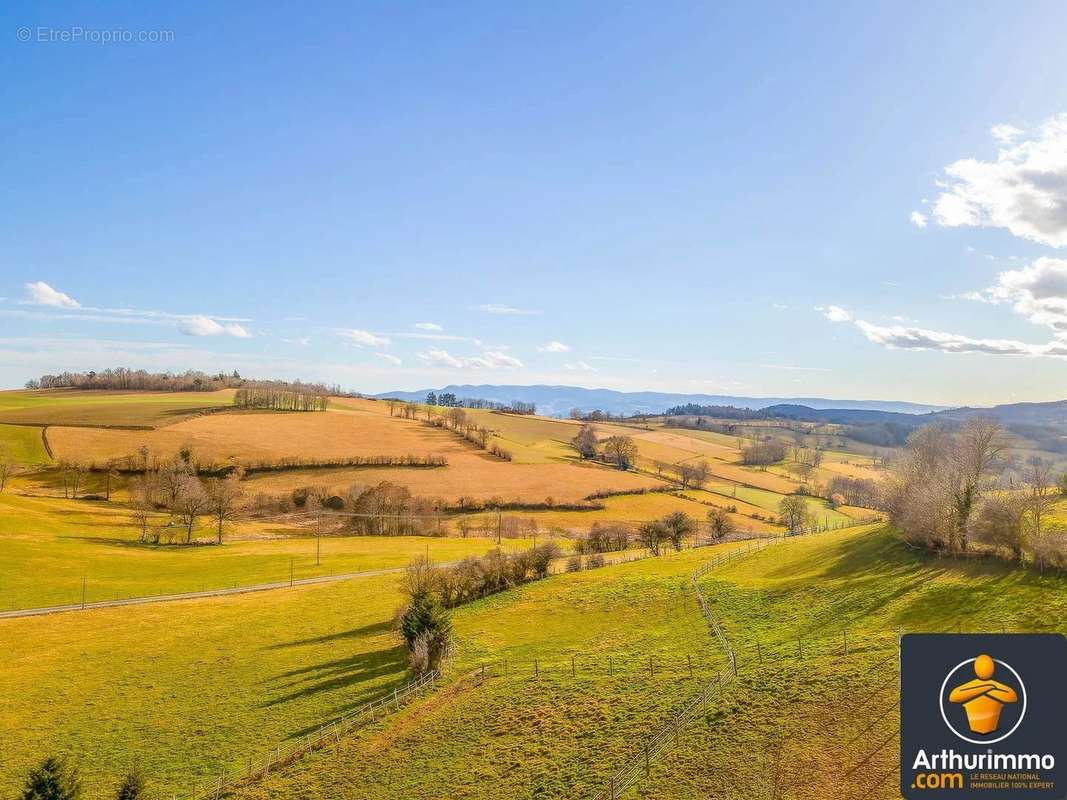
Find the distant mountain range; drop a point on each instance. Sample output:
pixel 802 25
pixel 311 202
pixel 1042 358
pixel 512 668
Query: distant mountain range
pixel 557 401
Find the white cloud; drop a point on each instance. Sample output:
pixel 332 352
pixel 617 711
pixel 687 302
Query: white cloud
pixel 1024 191
pixel 899 337
pixel 834 313
pixel 1037 292
pixel 199 325
pixel 579 366
pixel 428 326
pixel 497 308
pixel 918 219
pixel 555 347
pixel 779 306
pixel 490 359
pixel 1005 134
pixel 41 294
pixel 363 338
pixel 390 358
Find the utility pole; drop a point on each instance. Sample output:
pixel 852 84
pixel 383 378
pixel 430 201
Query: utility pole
pixel 498 525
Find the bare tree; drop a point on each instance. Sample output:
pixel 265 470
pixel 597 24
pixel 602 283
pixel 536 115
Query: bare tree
pixel 223 498
pixel 978 447
pixel 8 466
pixel 621 450
pixel 998 522
pixel 191 503
pixel 1040 492
pixel 585 442
pixel 794 513
pixel 720 522
pixel 141 503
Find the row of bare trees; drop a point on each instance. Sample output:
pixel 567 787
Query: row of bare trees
pixel 281 397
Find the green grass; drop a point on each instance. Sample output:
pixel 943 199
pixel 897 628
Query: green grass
pixel 518 736
pixel 804 714
pixel 184 689
pixel 50 545
pixel 74 407
pixel 866 579
pixel 770 501
pixel 24 444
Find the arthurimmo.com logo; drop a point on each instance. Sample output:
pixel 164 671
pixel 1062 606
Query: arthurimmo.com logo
pixel 983 715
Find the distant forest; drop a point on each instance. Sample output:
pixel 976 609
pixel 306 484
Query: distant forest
pixel 122 379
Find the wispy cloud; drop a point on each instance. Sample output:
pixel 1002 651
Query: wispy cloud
pixel 390 358
pixel 554 347
pixel 579 366
pixel 428 326
pixel 363 338
pixel 490 359
pixel 918 219
pixel 834 313
pixel 40 293
pixel 205 326
pixel 792 368
pixel 900 337
pixel 497 308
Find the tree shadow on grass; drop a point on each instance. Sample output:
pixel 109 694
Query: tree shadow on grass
pixel 354 633
pixel 339 673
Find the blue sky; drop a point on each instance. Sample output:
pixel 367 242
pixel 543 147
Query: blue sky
pixel 682 197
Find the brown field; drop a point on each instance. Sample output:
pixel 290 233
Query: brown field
pixel 356 428
pixel 472 474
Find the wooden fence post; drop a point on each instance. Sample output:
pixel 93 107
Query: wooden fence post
pixel 759 651
pixel 536 671
pixel 689 658
pixel 572 666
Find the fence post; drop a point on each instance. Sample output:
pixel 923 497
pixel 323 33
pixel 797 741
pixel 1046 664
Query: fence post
pixel 396 698
pixel 612 787
pixel 689 658
pixel 572 666
pixel 844 633
pixel 536 671
pixel 759 651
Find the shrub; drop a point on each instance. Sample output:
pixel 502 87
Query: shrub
pixel 52 779
pixel 594 561
pixel 133 788
pixel 427 629
pixel 1050 551
pixel 574 564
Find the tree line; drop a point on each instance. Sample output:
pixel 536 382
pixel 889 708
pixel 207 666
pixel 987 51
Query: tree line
pixel 277 396
pixel 123 379
pixel 450 400
pixel 950 491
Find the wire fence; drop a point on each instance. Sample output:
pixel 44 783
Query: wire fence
pixel 638 765
pixel 328 734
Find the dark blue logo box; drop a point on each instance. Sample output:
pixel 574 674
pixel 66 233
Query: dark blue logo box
pixel 983 716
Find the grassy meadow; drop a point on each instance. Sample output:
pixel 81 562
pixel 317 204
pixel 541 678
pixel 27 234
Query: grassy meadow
pixel 187 688
pixel 50 546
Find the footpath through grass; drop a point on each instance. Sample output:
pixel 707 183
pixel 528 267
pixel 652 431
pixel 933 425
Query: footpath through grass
pixel 805 719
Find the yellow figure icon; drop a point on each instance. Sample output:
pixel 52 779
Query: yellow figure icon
pixel 983 698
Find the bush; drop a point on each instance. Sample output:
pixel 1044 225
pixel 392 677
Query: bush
pixel 594 561
pixel 1050 551
pixel 603 537
pixel 133 788
pixel 427 629
pixel 52 779
pixel 574 564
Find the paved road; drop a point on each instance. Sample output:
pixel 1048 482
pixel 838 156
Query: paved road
pixel 166 598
